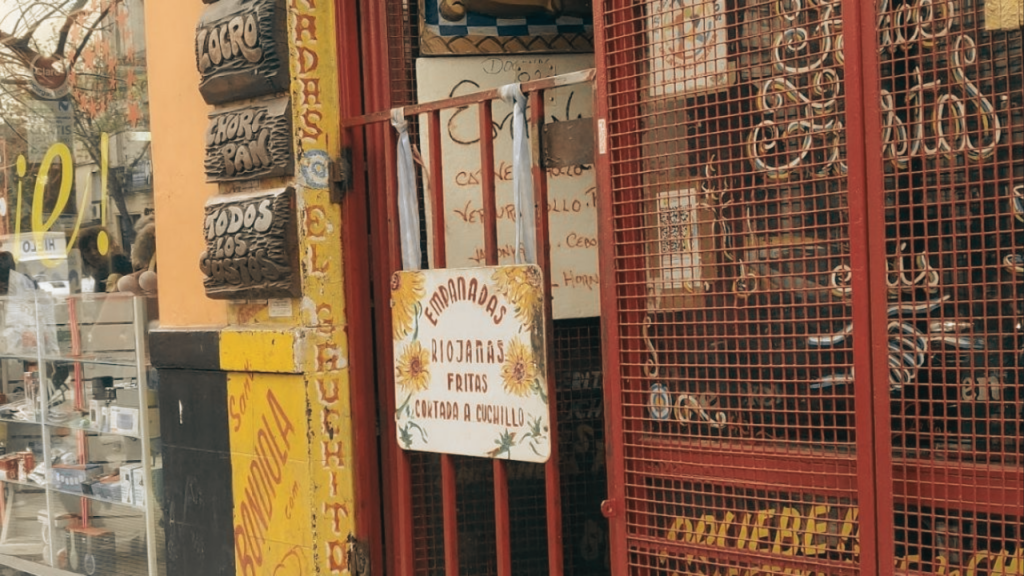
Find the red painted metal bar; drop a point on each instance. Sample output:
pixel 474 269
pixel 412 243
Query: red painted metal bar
pixel 380 143
pixel 76 350
pixel 487 184
pixel 386 254
pixel 439 256
pixel 568 79
pixel 359 298
pixel 552 483
pixel 439 259
pixel 615 93
pixel 610 341
pixel 449 499
pixel 502 523
pixel 867 261
pixel 502 526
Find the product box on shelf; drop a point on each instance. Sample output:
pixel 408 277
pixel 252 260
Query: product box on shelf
pixel 70 477
pixel 125 420
pixel 106 487
pixel 129 396
pixel 127 487
pixel 139 484
pixel 90 550
pixel 114 449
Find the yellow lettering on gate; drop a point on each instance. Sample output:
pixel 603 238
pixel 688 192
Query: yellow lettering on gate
pixel 787 537
pixel 761 530
pixel 813 529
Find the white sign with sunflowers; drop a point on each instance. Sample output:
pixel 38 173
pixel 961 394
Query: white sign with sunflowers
pixel 470 375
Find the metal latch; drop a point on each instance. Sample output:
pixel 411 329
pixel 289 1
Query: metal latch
pixel 341 175
pixel 610 508
pixel 358 557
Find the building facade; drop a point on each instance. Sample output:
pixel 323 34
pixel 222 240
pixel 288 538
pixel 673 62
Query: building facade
pixel 781 323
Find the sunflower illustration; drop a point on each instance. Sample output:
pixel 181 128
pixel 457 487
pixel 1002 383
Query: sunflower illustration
pixel 406 292
pixel 412 372
pixel 524 288
pixel 519 372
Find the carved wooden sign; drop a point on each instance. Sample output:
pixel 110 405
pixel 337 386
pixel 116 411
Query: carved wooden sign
pixel 250 141
pixel 251 246
pixel 242 50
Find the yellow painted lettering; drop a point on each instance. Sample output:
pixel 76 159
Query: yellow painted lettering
pixel 814 531
pixel 850 530
pixel 787 537
pixel 761 530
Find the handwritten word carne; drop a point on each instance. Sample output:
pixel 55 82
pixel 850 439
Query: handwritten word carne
pixel 221 43
pixel 245 140
pixel 503 173
pixel 256 511
pixel 459 290
pixel 472 178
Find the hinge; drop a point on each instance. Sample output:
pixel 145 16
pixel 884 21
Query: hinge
pixel 341 175
pixel 358 557
pixel 610 508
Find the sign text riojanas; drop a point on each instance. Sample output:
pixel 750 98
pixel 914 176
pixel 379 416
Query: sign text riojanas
pixel 469 362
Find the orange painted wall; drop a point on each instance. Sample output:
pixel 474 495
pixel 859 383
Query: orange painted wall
pixel 178 119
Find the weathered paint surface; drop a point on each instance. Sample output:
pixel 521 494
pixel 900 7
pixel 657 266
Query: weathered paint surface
pixel 270 351
pixel 324 349
pixel 270 484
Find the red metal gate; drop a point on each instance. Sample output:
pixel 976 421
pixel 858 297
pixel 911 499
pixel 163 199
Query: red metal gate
pixel 813 261
pixel 451 514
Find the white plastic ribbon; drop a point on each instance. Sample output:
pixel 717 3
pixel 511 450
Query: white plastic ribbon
pixel 408 206
pixel 522 176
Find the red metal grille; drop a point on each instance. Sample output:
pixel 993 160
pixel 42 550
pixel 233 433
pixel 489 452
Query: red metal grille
pixel 729 198
pixel 952 108
pixel 583 481
pixel 582 442
pixel 815 165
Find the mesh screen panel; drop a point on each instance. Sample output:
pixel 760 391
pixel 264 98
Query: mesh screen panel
pixel 952 100
pixel 583 481
pixel 581 436
pixel 732 261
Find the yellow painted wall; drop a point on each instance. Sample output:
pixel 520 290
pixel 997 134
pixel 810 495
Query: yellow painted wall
pixel 178 118
pixel 289 413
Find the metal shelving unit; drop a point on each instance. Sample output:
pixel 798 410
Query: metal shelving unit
pixel 79 484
